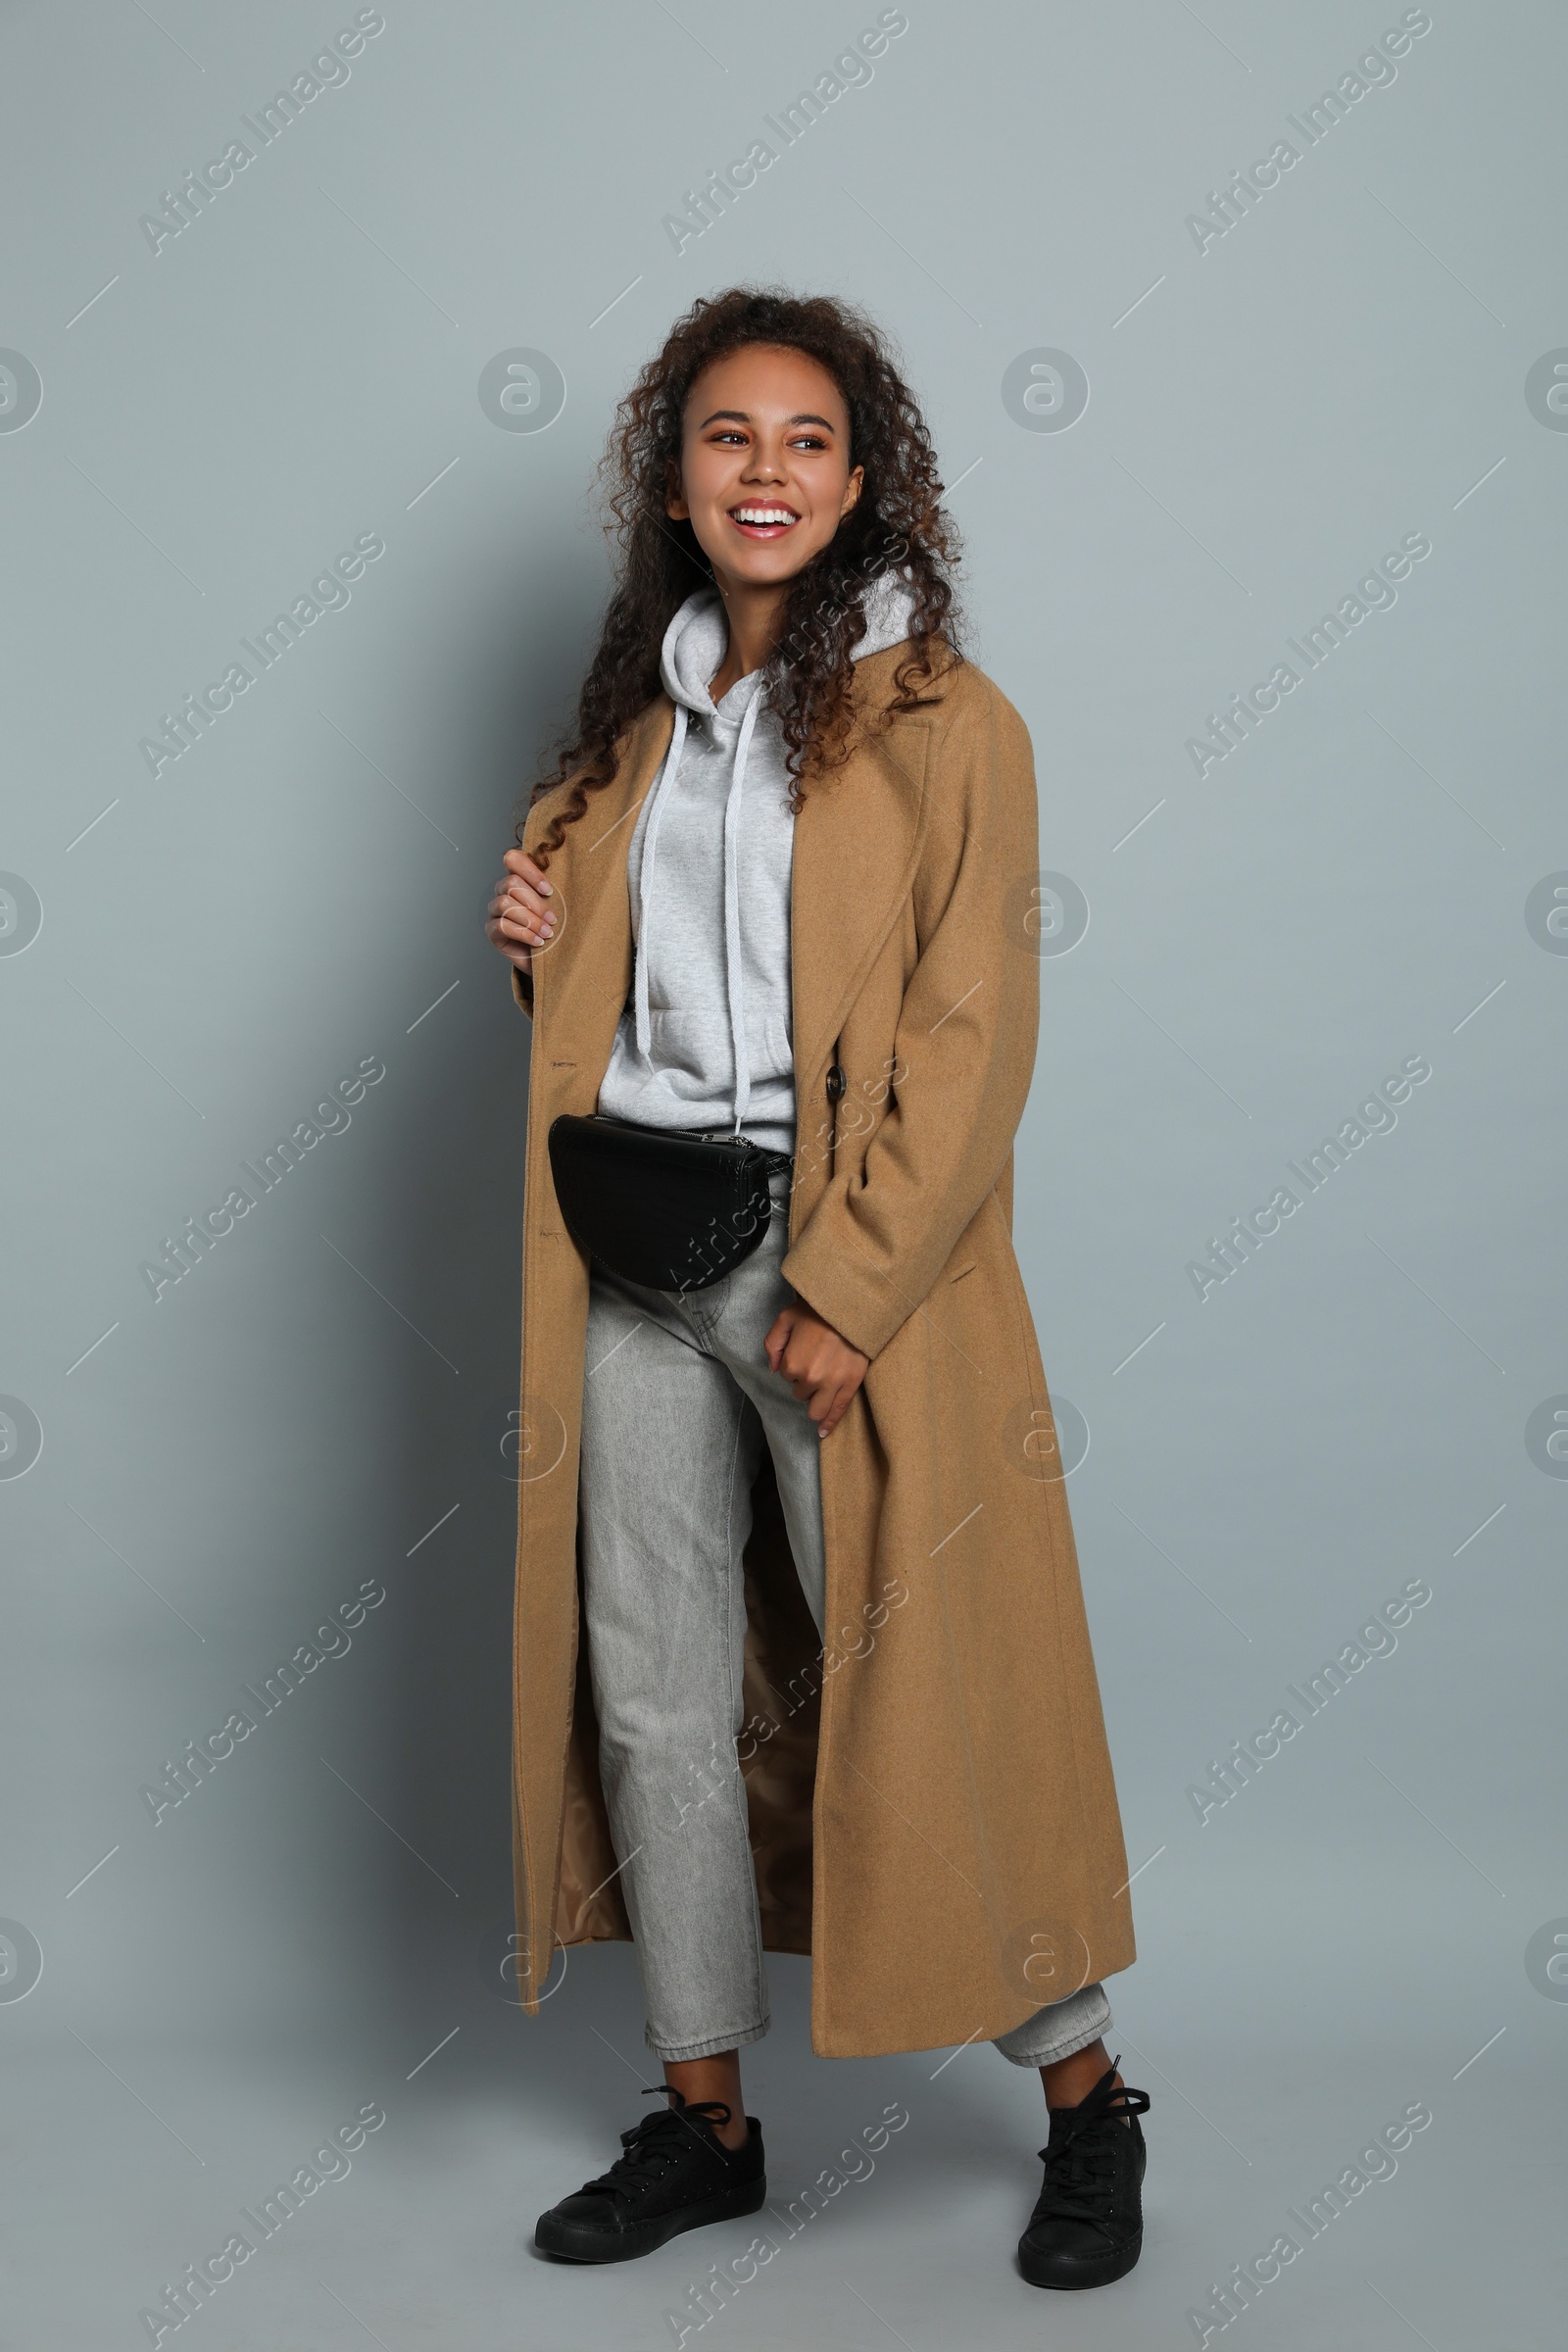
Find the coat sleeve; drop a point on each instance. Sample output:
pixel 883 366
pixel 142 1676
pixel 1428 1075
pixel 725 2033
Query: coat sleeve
pixel 965 1043
pixel 522 982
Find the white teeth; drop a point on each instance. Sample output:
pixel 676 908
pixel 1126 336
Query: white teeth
pixel 764 514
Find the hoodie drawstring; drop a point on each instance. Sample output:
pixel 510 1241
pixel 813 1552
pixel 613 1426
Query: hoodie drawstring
pixel 732 912
pixel 667 776
pixel 732 917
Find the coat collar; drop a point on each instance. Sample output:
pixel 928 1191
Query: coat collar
pixel 856 841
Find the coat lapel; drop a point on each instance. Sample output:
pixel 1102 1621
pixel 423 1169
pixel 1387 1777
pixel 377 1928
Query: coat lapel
pixel 856 843
pixel 581 984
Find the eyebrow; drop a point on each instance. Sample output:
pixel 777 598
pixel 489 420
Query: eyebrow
pixel 742 416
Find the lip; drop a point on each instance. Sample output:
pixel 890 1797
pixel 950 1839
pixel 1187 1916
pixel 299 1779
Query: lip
pixel 763 530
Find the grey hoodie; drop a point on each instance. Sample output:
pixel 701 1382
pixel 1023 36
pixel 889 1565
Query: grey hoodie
pixel 705 1042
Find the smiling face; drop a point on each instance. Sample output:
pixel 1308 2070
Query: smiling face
pixel 765 477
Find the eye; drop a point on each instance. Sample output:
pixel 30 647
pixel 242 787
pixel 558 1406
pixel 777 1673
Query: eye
pixel 808 441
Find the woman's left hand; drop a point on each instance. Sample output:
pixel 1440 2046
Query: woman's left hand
pixel 819 1362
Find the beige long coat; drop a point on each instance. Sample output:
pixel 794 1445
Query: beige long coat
pixel 931 1800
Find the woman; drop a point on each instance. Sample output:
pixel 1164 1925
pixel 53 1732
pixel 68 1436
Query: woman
pixel 835 1691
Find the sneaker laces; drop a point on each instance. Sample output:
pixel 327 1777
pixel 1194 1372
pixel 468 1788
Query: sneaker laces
pixel 653 2145
pixel 1082 2158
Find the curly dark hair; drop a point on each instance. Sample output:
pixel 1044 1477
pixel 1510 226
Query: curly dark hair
pixel 898 521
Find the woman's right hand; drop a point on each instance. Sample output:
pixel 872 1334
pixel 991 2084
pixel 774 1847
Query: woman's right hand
pixel 519 918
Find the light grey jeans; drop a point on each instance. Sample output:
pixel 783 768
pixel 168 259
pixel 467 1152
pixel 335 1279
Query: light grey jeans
pixel 677 1404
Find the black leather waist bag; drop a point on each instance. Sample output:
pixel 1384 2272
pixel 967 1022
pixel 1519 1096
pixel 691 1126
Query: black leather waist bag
pixel 669 1210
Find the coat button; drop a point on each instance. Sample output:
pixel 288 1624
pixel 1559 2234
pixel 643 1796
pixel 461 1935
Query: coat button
pixel 836 1083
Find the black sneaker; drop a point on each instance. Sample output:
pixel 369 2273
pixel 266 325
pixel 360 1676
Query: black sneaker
pixel 1088 2227
pixel 676 2174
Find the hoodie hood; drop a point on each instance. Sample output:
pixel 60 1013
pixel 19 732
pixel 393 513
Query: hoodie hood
pixel 696 639
pixel 694 647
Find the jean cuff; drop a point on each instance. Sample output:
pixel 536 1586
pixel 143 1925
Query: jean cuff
pixel 1059 2029
pixel 736 2039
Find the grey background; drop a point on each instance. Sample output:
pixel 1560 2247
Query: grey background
pixel 334 1381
